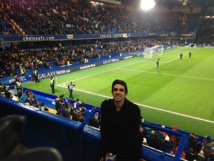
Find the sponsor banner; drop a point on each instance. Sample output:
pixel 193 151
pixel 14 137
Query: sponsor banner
pixel 38 38
pixel 11 81
pixel 70 36
pixel 22 78
pixel 115 35
pixel 173 34
pixel 208 46
pixel 188 35
pixel 110 61
pixel 128 57
pixel 34 38
pixel 87 66
pixel 53 73
pixel 87 36
pixel 163 35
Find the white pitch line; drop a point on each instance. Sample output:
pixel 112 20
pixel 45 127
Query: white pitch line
pixel 112 69
pixel 175 113
pixel 171 60
pixel 151 107
pixel 103 72
pixel 92 93
pixel 155 108
pixel 168 74
pixel 175 59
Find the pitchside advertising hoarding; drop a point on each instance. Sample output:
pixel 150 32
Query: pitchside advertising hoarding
pixel 30 38
pixel 13 80
pixel 77 68
pixel 72 69
pixel 53 73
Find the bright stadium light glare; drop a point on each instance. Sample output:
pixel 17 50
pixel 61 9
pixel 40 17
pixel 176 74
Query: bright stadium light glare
pixel 147 4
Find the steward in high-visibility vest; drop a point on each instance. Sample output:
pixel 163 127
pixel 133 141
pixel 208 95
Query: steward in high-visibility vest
pixel 1 88
pixel 35 73
pixel 23 72
pixel 52 84
pixel 18 85
pixel 68 62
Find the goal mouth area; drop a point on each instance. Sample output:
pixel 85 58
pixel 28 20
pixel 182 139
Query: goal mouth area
pixel 150 52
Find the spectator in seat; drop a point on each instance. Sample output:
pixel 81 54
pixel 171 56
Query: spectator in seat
pixel 183 155
pixel 63 112
pixel 7 93
pixel 145 141
pixel 82 104
pixel 69 109
pixel 15 98
pixel 43 107
pixel 190 156
pixel 58 103
pixel 143 132
pixel 193 143
pixel 23 98
pixel 166 145
pixel 94 121
pixel 200 156
pixel 80 117
pixel 207 147
pixel 75 115
pixel 153 140
pixel 83 111
pixel 174 139
pixel 19 94
pixel 77 104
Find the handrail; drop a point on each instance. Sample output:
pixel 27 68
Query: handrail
pixel 182 142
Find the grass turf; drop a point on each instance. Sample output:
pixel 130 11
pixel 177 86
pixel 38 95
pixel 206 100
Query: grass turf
pixel 179 92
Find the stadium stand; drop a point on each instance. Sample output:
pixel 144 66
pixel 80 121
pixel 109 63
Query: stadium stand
pixel 63 35
pixel 74 139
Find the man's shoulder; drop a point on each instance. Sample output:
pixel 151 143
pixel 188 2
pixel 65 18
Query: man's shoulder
pixel 107 102
pixel 131 104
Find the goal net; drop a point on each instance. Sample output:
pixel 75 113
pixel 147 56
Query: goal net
pixel 153 51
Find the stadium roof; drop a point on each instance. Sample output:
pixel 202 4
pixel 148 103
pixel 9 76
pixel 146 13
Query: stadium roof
pixel 170 2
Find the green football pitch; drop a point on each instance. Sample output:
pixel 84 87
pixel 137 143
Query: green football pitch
pixel 180 92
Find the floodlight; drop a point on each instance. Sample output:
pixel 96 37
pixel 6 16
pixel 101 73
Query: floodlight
pixel 147 4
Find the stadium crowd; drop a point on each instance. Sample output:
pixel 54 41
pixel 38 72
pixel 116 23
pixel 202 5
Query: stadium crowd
pixel 195 149
pixel 206 36
pixel 12 63
pixel 63 107
pixel 65 17
pixel 26 97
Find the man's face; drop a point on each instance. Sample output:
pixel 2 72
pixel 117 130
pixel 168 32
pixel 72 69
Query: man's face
pixel 119 93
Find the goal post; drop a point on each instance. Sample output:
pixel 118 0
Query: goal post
pixel 150 52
